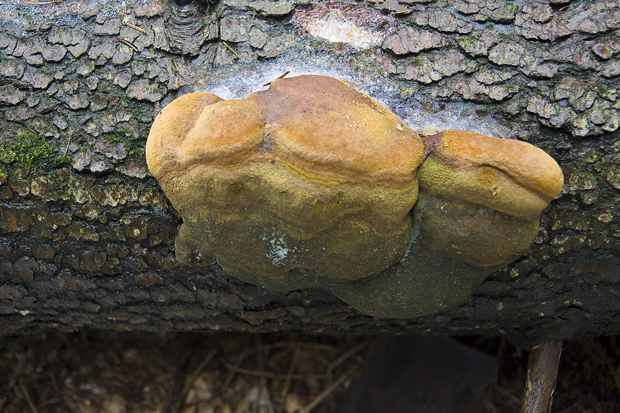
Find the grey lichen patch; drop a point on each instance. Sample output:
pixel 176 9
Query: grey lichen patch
pixel 489 75
pixel 592 20
pixel 433 66
pixel 477 43
pixel 86 69
pixel 107 26
pixel 79 49
pixel 576 104
pixel 540 22
pixel 53 53
pixel 11 68
pixel 45 187
pixel 37 78
pixel 133 169
pixel 143 89
pixel 472 89
pixel 66 35
pixel 443 21
pixel 270 8
pixel 11 95
pixel 507 53
pixel 30 49
pixel 123 54
pixel 101 50
pixel 276 45
pixel 7 42
pixel 490 10
pixel 412 40
pixel 243 29
pixel 580 93
pixel 77 101
pixel 603 51
pixel 98 102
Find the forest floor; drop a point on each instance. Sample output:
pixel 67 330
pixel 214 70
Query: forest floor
pixel 239 373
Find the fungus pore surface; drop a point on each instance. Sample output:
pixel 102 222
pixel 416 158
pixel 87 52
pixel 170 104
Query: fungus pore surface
pixel 312 183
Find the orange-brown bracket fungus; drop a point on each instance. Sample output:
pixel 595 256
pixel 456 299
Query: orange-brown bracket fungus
pixel 314 184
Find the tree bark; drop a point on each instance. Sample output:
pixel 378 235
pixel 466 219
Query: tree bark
pixel 87 236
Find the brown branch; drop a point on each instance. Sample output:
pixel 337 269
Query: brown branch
pixel 327 392
pixel 196 373
pixel 40 3
pixel 68 143
pixel 135 27
pixel 269 375
pixel 289 374
pixel 231 49
pixel 349 82
pixel 27 397
pixel 280 77
pixel 542 371
pixel 125 42
pixel 344 357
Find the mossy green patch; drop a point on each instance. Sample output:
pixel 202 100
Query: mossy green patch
pixel 512 7
pixel 28 150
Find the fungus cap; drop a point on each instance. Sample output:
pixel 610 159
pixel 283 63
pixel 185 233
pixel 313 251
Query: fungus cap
pixel 510 176
pixel 313 183
pixel 309 174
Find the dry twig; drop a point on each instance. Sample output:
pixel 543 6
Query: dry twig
pixel 135 27
pixel 27 397
pixel 280 77
pixel 326 393
pixel 231 372
pixel 174 376
pixel 269 375
pixel 343 358
pixel 317 346
pixel 289 375
pixel 68 143
pixel 196 373
pixel 511 396
pixel 231 49
pixel 125 42
pixel 542 371
pixel 614 373
pixel 40 3
pixel 349 82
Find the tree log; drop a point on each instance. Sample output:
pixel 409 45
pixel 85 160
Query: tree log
pixel 87 236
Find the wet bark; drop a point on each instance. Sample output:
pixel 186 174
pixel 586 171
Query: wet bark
pixel 87 236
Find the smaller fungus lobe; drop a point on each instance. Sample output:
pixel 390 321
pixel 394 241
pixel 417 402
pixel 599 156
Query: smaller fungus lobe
pixel 313 183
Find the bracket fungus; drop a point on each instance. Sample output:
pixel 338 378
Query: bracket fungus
pixel 312 183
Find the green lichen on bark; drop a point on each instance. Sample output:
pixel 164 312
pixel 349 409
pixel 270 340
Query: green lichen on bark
pixel 30 151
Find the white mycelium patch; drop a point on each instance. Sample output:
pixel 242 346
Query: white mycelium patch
pixel 336 28
pixel 359 26
pixel 420 113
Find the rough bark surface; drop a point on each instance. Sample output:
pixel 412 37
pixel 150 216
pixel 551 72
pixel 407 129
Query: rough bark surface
pixel 87 236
